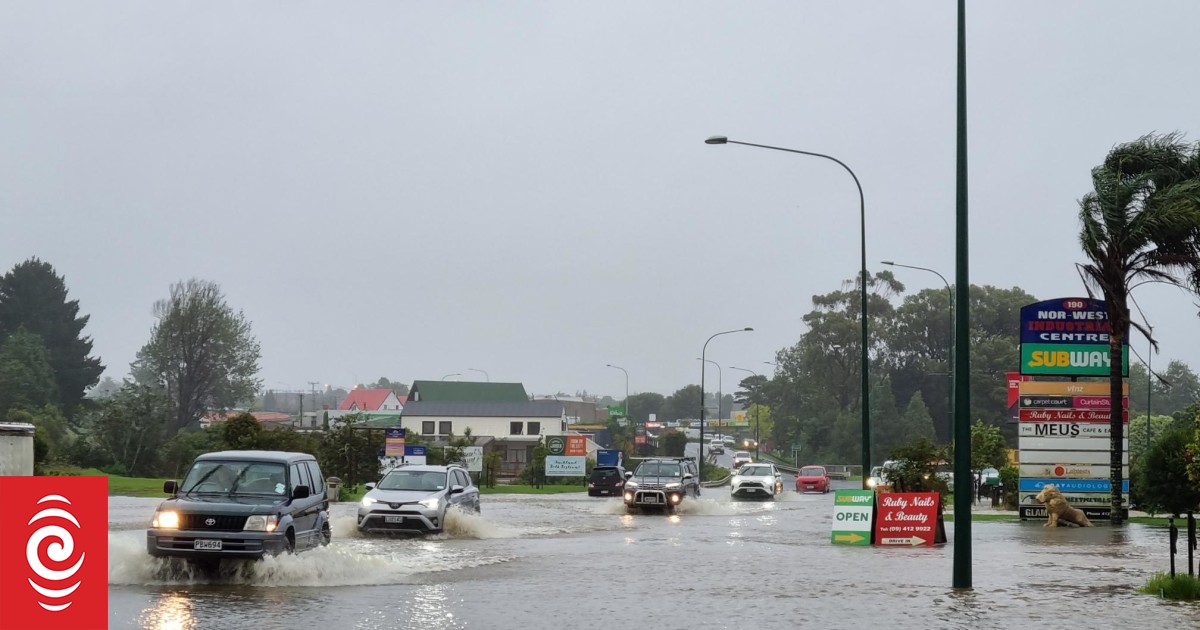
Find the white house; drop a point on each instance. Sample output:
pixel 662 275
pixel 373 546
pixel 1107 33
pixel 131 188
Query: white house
pixel 516 426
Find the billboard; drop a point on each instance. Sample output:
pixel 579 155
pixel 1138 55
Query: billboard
pixel 563 466
pixel 1067 337
pixel 393 442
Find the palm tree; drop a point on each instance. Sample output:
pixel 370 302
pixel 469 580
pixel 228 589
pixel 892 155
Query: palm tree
pixel 1141 225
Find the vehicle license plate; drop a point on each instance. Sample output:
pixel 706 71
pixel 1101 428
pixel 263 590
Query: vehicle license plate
pixel 393 519
pixel 649 498
pixel 207 545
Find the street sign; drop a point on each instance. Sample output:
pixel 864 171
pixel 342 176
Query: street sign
pixel 473 458
pixel 616 412
pixel 907 519
pixel 556 444
pixel 852 511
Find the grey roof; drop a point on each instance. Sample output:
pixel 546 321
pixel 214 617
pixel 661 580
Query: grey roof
pixel 529 409
pixel 256 456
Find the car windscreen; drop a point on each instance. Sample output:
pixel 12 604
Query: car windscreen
pixel 755 471
pixel 812 472
pixel 604 473
pixel 233 477
pixel 742 455
pixel 658 469
pixel 416 480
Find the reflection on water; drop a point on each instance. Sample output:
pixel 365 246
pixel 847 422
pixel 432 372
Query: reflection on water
pixel 172 612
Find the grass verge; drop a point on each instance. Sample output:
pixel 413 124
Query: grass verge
pixel 117 485
pixel 1181 587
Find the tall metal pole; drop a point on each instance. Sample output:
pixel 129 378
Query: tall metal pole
pixel 720 386
pixel 962 321
pixel 949 344
pixel 628 416
pixel 1149 388
pixel 756 413
pixel 485 374
pixel 703 353
pixel 863 280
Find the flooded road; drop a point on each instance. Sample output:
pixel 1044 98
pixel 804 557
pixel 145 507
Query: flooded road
pixel 573 561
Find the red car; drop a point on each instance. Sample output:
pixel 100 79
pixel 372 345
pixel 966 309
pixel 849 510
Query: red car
pixel 812 479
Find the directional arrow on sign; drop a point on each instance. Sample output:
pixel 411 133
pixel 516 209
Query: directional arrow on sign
pixel 850 538
pixel 915 541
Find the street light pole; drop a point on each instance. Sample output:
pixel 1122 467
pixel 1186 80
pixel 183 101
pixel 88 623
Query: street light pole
pixel 949 342
pixel 720 386
pixel 962 327
pixel 485 374
pixel 863 279
pixel 756 413
pixel 449 375
pixel 627 414
pixel 703 354
pixel 1149 387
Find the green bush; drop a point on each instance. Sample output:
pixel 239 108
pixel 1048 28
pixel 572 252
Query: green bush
pixel 1010 479
pixel 1181 587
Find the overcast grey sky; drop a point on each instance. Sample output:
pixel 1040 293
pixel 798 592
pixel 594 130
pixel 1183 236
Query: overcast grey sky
pixel 409 189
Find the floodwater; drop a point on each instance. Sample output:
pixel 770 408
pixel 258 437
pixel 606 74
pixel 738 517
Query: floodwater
pixel 567 561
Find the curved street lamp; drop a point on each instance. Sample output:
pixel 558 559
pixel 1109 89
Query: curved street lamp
pixel 485 374
pixel 862 209
pixel 720 385
pixel 627 414
pixel 703 354
pixel 449 375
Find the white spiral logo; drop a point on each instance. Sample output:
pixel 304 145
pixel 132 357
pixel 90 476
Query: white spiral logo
pixel 59 551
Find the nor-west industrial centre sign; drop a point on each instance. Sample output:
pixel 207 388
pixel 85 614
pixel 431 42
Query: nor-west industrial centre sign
pixel 1067 337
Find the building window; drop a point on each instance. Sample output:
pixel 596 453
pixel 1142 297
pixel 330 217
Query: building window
pixel 514 428
pixel 427 427
pixel 535 428
pixel 445 427
pixel 517 455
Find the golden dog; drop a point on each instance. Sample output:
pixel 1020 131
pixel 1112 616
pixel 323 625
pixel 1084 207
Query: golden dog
pixel 1057 508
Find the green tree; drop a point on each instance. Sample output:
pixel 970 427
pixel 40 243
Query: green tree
pixel 240 432
pixel 917 422
pixel 672 443
pixel 351 452
pixel 1139 440
pixel 1140 223
pixel 400 389
pixel 26 376
pixel 105 388
pixel 915 468
pixel 33 296
pixel 887 431
pixel 1162 482
pixel 988 448
pixel 127 430
pixel 52 438
pixel 683 404
pixel 201 351
pixel 640 406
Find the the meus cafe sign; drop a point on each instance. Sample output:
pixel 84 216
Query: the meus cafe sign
pixel 1064 425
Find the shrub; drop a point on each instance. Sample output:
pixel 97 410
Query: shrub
pixel 1180 587
pixel 1010 479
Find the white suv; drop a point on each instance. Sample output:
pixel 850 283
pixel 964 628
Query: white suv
pixel 740 458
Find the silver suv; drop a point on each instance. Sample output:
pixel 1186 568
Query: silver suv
pixel 414 499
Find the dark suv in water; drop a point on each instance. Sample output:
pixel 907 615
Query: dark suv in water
pixel 608 480
pixel 662 483
pixel 242 504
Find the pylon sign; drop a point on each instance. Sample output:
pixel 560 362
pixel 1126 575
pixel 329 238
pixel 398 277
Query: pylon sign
pixel 1067 337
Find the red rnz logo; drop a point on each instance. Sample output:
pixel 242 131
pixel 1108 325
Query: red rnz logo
pixel 54 553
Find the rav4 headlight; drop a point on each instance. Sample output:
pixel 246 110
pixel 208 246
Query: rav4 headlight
pixel 431 503
pixel 369 501
pixel 261 523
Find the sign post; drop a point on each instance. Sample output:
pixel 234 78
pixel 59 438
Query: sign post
pixel 393 442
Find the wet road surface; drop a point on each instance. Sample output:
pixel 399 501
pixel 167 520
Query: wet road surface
pixel 570 561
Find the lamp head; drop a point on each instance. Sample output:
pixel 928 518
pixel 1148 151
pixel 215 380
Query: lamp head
pixel 716 140
pixel 748 329
pixel 886 262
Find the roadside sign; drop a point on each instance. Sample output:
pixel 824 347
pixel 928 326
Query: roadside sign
pixel 852 511
pixel 576 446
pixel 556 444
pixel 559 466
pixel 907 519
pixel 473 458
pixel 393 442
pixel 610 457
pixel 1066 388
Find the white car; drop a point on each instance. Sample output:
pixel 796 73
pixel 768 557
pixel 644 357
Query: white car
pixel 756 481
pixel 716 447
pixel 741 458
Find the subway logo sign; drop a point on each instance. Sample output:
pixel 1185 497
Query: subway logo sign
pixel 1068 359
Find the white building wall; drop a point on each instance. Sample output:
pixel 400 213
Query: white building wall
pixel 495 427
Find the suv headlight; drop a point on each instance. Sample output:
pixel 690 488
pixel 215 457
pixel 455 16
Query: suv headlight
pixel 675 485
pixel 369 501
pixel 261 523
pixel 631 485
pixel 165 520
pixel 431 503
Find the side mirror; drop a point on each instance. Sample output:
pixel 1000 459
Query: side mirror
pixel 301 492
pixel 456 489
pixel 628 474
pixel 370 485
pixel 170 487
pixel 688 476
